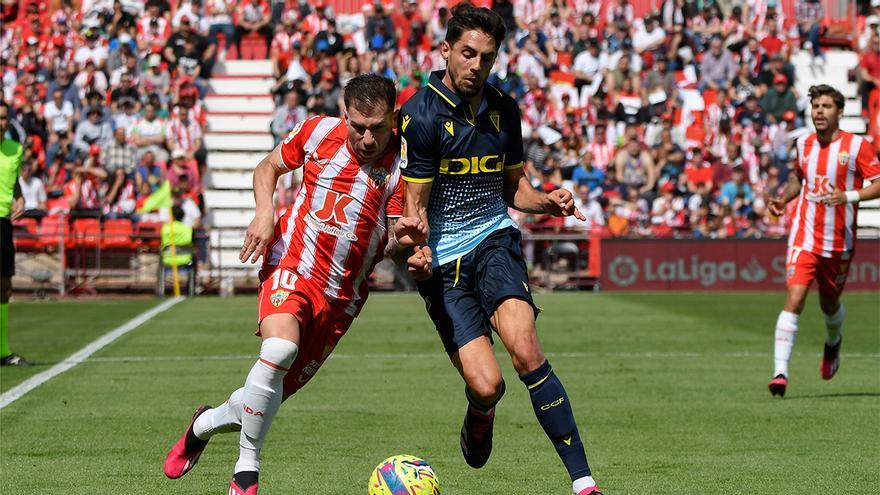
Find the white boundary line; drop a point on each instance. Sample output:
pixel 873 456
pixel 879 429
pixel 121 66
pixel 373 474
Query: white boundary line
pixel 646 355
pixel 35 381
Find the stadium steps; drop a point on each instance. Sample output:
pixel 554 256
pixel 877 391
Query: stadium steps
pixel 834 72
pixel 239 114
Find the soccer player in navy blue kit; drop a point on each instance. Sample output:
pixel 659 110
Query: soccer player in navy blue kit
pixel 464 169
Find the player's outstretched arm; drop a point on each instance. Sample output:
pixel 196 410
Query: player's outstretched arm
pixel 260 230
pixel 520 195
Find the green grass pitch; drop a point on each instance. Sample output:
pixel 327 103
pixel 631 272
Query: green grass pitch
pixel 669 391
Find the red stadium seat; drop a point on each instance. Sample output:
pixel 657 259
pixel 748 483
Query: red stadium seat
pixel 149 234
pixel 53 231
pixel 87 232
pixel 25 234
pixel 118 234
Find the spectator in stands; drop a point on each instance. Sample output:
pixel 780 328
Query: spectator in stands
pixel 669 159
pixel 149 134
pixel 59 115
pixel 718 67
pixel 869 71
pixel 287 116
pixel 587 202
pixel 588 174
pixel 126 117
pixel 254 17
pixel 328 40
pixel 700 173
pixel 809 14
pixel 590 66
pixel 778 100
pixel 197 50
pixel 126 91
pixel 649 37
pixel 185 134
pixel 91 131
pixel 182 196
pixel 219 17
pixel 179 166
pixel 634 168
pixel 69 90
pixel 119 155
pixel 737 193
pixel 33 191
pixel 91 80
pixel 149 172
pixel 92 50
pixel 82 191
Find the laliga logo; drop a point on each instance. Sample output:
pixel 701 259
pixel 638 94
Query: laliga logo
pixel 623 271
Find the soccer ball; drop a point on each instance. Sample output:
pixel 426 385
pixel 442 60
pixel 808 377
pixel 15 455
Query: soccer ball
pixel 403 475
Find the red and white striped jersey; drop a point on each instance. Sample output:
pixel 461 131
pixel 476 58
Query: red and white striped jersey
pixel 841 164
pixel 335 231
pixel 184 135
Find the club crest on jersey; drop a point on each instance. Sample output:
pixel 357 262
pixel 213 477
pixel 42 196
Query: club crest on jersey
pixel 379 177
pixel 278 297
pixel 843 159
pixel 496 120
pixel 402 159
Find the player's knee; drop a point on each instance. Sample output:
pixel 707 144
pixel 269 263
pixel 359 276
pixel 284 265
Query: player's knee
pixel 485 388
pixel 526 355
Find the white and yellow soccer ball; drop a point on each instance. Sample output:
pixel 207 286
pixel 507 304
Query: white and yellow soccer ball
pixel 403 475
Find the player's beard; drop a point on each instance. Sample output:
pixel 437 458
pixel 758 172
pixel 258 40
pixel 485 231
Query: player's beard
pixel 467 92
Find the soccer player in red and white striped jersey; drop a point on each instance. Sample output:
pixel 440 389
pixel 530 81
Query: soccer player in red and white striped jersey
pixel 316 261
pixel 828 184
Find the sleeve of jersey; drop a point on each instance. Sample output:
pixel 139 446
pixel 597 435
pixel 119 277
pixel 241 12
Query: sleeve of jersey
pixel 394 208
pixel 867 164
pixel 293 147
pixel 417 131
pixel 513 155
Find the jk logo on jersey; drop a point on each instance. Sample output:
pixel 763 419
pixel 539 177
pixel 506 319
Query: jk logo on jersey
pixel 334 208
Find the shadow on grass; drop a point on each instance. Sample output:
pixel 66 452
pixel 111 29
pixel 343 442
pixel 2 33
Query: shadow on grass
pixel 832 396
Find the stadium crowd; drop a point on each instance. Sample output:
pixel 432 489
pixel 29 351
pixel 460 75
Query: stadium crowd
pixel 679 123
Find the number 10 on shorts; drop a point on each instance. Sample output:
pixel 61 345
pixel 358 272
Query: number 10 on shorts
pixel 284 279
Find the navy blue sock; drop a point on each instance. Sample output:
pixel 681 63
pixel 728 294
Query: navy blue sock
pixel 553 410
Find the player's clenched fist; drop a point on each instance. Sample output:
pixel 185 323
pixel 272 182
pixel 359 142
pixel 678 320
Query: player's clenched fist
pixel 259 233
pixel 560 203
pixel 419 264
pixel 410 231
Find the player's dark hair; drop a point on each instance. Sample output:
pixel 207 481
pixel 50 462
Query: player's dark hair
pixel 368 92
pixel 826 90
pixel 177 212
pixel 466 17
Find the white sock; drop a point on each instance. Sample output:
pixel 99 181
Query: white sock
pixel 262 398
pixel 222 419
pixel 582 484
pixel 786 335
pixel 834 325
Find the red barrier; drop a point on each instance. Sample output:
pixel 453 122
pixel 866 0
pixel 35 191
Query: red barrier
pixel 715 265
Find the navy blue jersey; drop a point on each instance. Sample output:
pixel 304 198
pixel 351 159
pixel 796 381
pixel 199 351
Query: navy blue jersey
pixel 465 156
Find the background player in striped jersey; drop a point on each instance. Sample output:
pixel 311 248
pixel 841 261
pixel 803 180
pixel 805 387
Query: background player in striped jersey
pixel 828 184
pixel 316 261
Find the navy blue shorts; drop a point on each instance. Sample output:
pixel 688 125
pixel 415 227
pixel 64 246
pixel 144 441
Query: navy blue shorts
pixel 462 294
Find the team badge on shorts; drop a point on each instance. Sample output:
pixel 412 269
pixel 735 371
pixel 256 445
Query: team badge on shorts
pixel 278 297
pixel 379 177
pixel 789 272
